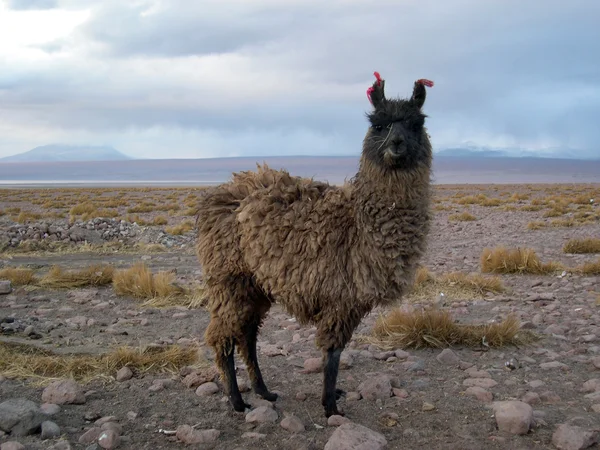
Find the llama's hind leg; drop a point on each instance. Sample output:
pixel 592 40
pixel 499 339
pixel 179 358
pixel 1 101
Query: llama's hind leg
pixel 330 393
pixel 248 352
pixel 225 362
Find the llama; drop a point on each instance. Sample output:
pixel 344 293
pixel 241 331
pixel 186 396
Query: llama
pixel 327 254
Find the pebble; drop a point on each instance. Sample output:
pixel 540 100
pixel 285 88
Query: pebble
pixel 60 445
pixel 20 417
pixel 480 394
pixel 262 414
pixel 427 406
pixel 592 385
pixel 553 365
pixel 571 437
pixel 124 374
pixel 253 435
pixel 448 358
pixel 400 393
pixel 301 396
pixel 513 417
pixel 531 398
pixel 189 435
pixel 596 362
pixel 293 424
pixel 352 436
pixel 534 384
pixel 336 420
pixel 50 430
pixel 90 436
pixel 377 387
pixel 313 365
pixel 109 439
pixel 64 392
pixel 12 445
pixel 49 408
pixel 5 287
pixel 207 389
pixel 485 383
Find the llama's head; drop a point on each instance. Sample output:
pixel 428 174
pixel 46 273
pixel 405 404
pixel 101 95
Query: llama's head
pixel 397 138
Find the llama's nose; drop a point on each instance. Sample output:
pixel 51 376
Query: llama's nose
pixel 398 141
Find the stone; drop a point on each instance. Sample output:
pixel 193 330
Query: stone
pixel 198 377
pixel 90 436
pixel 480 394
pixel 12 445
pixel 400 393
pixel 513 417
pixel 49 409
pixel 20 417
pixel 189 435
pixel 207 389
pixel 549 397
pixel 5 287
pixel 352 436
pixel 336 421
pixel 109 439
pixel 293 424
pixel 553 365
pixel 124 374
pixel 114 426
pixel 64 392
pixel 596 362
pixel 534 384
pixel 60 445
pixel 253 435
pixel 313 365
pixel 448 358
pixel 377 387
pixel 262 414
pixel 50 430
pixel 571 437
pixel 485 383
pixel 592 385
pixel 531 398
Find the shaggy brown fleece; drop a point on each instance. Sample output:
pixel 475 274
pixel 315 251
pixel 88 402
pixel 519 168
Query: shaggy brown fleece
pixel 327 254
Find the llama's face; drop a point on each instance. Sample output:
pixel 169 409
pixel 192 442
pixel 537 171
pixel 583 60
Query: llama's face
pixel 397 138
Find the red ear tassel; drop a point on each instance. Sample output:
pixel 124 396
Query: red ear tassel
pixel 425 82
pixel 371 89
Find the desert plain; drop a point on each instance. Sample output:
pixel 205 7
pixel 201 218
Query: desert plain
pixel 496 347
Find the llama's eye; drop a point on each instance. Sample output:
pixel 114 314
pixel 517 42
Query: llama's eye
pixel 378 128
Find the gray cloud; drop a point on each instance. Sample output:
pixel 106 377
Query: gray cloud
pixel 521 74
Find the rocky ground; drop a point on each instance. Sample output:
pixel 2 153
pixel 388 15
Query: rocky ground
pixel 548 397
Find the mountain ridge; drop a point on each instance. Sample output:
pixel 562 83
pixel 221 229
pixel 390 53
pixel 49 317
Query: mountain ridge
pixel 64 153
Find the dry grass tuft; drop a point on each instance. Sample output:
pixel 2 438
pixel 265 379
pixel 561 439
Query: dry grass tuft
pixel 462 217
pixel 454 285
pixel 589 245
pixel 536 225
pixel 27 216
pixel 18 276
pixel 182 228
pixel 589 268
pixel 95 275
pixel 139 282
pixel 518 260
pixel 21 361
pixel 432 327
pixel 160 220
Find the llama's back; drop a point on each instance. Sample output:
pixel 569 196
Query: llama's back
pixel 218 245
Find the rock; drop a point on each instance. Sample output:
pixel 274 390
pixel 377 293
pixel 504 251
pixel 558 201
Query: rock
pixel 448 358
pixel 188 435
pixel 531 398
pixel 352 436
pixel 100 422
pixel 114 426
pixel 12 445
pixel 49 409
pixel 301 396
pixel 198 377
pixel 377 387
pixel 313 365
pixel 353 396
pixel 262 414
pixel 480 394
pixel 570 437
pixel 64 392
pixel 534 384
pixel 109 439
pixel 427 406
pixel 5 287
pixel 50 430
pixel 206 389
pixel 549 397
pixel 553 365
pixel 336 421
pixel 253 435
pixel 124 374
pixel 90 436
pixel 485 383
pixel 293 424
pixel 401 354
pixel 20 417
pixel 513 416
pixel 592 385
pixel 596 362
pixel 400 393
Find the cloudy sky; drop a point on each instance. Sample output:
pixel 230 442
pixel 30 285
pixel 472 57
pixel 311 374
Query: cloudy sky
pixel 205 78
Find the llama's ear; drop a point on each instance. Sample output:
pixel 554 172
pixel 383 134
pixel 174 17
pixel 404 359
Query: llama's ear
pixel 419 92
pixel 376 93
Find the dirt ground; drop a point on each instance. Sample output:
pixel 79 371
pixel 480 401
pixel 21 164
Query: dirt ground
pixel 562 308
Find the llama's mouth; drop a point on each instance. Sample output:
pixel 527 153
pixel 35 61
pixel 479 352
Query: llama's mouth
pixel 391 154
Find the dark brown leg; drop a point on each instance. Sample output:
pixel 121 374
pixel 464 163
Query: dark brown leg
pixel 330 373
pixel 225 363
pixel 248 352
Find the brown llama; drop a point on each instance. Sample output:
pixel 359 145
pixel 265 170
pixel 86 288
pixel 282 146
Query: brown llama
pixel 327 254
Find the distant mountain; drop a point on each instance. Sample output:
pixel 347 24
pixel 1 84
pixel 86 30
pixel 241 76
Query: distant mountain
pixel 469 151
pixel 59 152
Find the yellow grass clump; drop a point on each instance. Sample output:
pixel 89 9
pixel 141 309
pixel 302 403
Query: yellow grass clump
pixel 536 225
pixel 160 220
pixel 82 208
pixel 139 282
pixel 182 228
pixel 589 268
pixel 26 216
pixel 588 245
pixel 517 260
pixel 26 362
pixel 462 217
pixel 455 285
pixel 18 276
pixel 95 275
pixel 432 327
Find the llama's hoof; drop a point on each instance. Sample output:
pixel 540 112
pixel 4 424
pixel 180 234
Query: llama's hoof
pixel 269 396
pixel 339 393
pixel 333 412
pixel 241 406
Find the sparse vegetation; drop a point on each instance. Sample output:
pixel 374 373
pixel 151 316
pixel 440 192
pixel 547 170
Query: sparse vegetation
pixel 455 285
pixel 95 275
pixel 518 260
pixel 588 245
pixel 462 217
pixel 182 228
pixel 536 225
pixel 589 268
pixel 433 327
pixel 139 282
pixel 18 276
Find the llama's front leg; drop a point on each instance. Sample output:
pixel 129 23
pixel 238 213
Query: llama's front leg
pixel 225 362
pixel 330 373
pixel 248 351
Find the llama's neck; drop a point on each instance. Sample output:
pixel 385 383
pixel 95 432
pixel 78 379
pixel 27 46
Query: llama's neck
pixel 391 212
